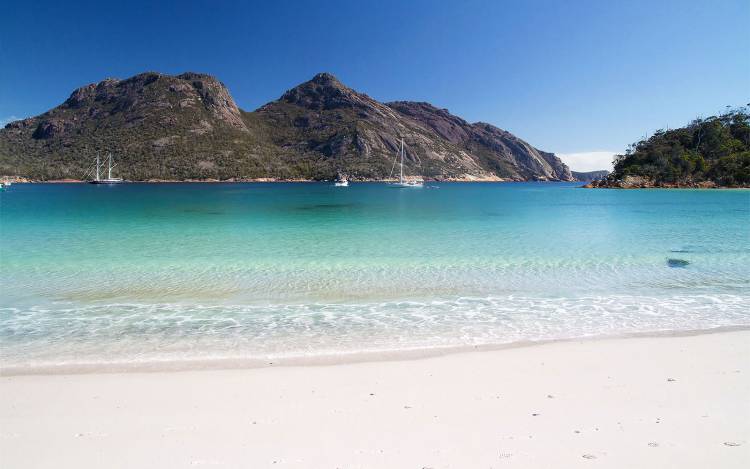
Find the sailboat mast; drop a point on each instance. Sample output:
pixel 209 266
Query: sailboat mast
pixel 401 176
pixel 109 169
pixel 97 166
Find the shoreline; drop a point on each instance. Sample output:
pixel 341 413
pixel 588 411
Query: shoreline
pixel 639 182
pixel 675 187
pixel 268 180
pixel 638 402
pixel 329 359
pixel 584 184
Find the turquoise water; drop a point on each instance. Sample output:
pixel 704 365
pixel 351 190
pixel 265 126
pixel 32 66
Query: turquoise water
pixel 162 272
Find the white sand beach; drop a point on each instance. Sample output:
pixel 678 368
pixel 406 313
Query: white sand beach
pixel 637 402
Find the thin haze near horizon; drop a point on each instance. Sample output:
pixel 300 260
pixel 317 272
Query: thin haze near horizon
pixel 582 79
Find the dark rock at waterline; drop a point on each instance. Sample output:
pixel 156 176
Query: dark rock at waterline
pixel 677 263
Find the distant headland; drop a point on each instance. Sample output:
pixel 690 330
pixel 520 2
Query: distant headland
pixel 707 153
pixel 188 128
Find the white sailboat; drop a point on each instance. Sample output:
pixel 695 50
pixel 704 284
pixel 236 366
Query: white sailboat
pixel 109 179
pixel 341 181
pixel 414 181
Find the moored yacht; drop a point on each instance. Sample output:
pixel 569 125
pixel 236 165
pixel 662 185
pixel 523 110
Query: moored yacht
pixel 408 181
pixel 341 181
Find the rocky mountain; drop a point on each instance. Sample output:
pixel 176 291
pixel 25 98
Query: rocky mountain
pixel 588 176
pixel 189 127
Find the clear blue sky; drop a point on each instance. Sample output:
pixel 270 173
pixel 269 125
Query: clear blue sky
pixel 567 76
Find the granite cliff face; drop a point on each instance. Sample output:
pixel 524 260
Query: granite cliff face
pixel 189 127
pixel 495 149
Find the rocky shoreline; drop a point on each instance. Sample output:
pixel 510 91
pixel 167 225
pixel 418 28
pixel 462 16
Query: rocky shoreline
pixel 468 178
pixel 639 182
pixel 630 182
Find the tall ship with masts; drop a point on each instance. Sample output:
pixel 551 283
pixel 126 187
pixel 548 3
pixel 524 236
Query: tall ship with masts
pixel 109 179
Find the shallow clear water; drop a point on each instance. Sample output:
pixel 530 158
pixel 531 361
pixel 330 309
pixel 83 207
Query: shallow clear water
pixel 139 273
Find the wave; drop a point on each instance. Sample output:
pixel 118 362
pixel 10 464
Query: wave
pixel 115 333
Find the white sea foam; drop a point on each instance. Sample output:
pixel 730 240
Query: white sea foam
pixel 156 332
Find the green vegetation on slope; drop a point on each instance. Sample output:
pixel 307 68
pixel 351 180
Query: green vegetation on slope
pixel 715 149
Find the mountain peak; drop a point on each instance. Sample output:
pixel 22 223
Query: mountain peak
pixel 141 97
pixel 326 79
pixel 323 91
pixel 190 76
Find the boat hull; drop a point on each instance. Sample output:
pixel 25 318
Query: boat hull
pixel 108 181
pixel 405 184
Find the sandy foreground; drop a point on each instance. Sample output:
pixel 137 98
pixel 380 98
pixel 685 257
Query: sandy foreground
pixel 639 402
